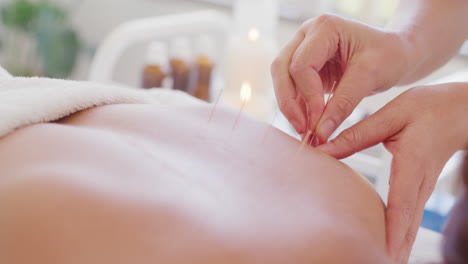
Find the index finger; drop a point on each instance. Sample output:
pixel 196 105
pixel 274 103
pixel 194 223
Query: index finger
pixel 320 45
pixel 285 88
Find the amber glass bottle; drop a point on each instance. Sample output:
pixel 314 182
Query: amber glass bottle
pixel 180 60
pixel 155 70
pixel 201 73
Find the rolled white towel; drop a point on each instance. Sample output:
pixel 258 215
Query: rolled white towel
pixel 4 73
pixel 26 101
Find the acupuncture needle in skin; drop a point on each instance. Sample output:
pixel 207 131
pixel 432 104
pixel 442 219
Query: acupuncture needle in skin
pixel 213 109
pixel 270 127
pixel 309 132
pixel 314 135
pixel 244 102
pixel 301 147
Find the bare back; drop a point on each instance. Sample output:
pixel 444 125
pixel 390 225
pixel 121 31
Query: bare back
pixel 159 184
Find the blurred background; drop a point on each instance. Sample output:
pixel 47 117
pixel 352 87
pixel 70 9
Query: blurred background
pixel 60 36
pixel 177 44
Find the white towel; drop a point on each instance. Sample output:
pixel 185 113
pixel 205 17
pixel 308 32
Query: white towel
pixel 4 73
pixel 26 101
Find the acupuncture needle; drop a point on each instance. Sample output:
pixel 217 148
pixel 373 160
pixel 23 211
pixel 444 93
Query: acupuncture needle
pixel 326 104
pixel 314 135
pixel 213 109
pixel 310 132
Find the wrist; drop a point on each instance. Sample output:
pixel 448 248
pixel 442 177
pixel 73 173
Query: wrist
pixel 413 55
pixel 396 60
pixel 458 98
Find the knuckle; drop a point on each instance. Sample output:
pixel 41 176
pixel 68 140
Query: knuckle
pixel 325 19
pixel 345 105
pixel 350 137
pixel 275 66
pixel 307 24
pixel 295 68
pixel 392 124
pixel 410 236
pixel 286 107
pixel 406 213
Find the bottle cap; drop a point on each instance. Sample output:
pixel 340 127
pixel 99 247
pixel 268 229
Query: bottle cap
pixel 181 49
pixel 157 54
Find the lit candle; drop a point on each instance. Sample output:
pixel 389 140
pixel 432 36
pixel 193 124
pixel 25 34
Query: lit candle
pixel 249 53
pixel 248 59
pixel 245 94
pixel 254 35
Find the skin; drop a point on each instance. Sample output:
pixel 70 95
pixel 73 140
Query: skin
pixel 158 184
pixel 363 60
pixel 422 128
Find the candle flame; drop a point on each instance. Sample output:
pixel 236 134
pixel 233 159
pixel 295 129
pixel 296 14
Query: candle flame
pixel 254 34
pixel 245 92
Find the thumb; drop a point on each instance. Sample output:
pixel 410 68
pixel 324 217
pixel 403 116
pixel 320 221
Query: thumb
pixel 355 84
pixel 410 186
pixel 380 126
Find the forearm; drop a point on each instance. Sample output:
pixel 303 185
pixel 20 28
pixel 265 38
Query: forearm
pixel 434 31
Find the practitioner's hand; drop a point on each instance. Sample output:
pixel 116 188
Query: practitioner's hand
pixel 362 60
pixel 422 128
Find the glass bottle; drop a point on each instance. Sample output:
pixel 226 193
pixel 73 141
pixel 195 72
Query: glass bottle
pixel 180 58
pixel 201 73
pixel 155 70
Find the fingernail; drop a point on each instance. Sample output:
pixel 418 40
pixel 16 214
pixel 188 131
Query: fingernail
pixel 326 148
pixel 327 128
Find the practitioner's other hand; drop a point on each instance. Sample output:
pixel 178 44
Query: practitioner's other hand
pixel 422 128
pixel 361 59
